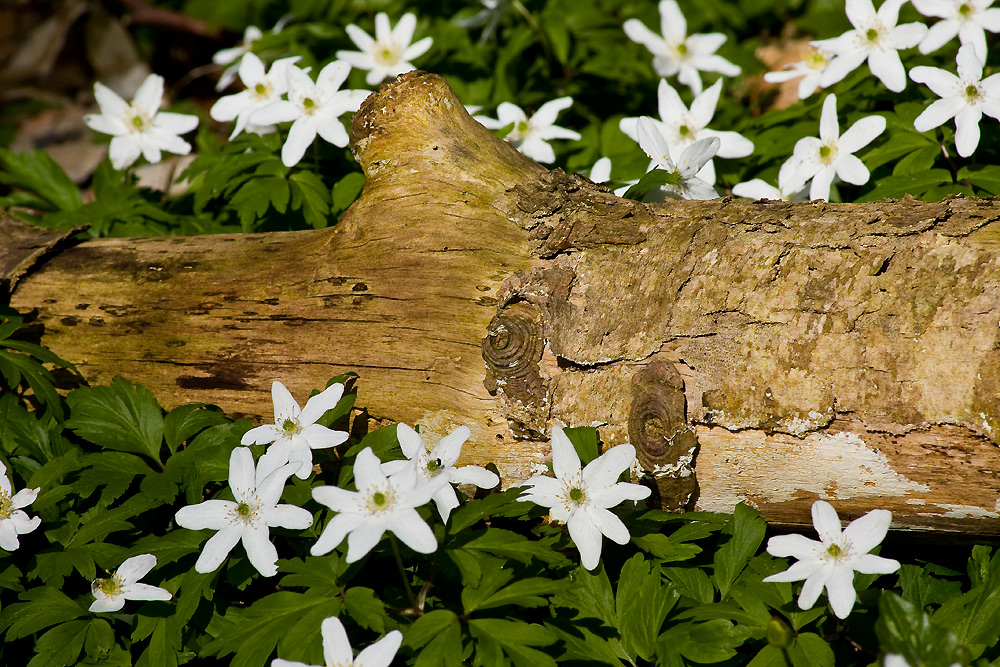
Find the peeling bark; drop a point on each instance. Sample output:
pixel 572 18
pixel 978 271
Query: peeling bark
pixel 782 352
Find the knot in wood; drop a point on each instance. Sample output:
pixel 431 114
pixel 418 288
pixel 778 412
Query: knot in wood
pixel 665 443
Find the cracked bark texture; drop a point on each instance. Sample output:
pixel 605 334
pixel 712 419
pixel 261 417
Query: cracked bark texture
pixel 783 352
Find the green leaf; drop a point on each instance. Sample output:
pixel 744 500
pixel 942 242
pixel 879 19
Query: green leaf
pixel 186 421
pixel 61 645
pixel 39 608
pixel 692 582
pixel 746 532
pixel 584 441
pixel 516 638
pixel 712 641
pixel 253 633
pixel 164 644
pixel 312 197
pixel 100 639
pixel 905 629
pixel 986 177
pixel 346 190
pixel 474 511
pixel 917 161
pixel 123 417
pixel 526 592
pixel 501 542
pixel 895 186
pixel 258 195
pixel 428 626
pixel 365 608
pixel 665 548
pixel 591 596
pixel 582 643
pixel 36 172
pixel 922 588
pixel 642 602
pixel 810 650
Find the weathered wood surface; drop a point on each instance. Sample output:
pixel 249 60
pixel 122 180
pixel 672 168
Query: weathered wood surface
pixel 848 352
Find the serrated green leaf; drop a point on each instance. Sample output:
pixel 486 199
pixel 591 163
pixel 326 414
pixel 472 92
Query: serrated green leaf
pixel 258 195
pixel 692 582
pixel 36 172
pixel 365 608
pixel 517 638
pixel 346 190
pixel 475 510
pixel 14 366
pixel 164 643
pixel 122 416
pixel 905 629
pixel 252 634
pixel 186 421
pixel 491 581
pixel 428 626
pixel 711 641
pixel 584 441
pixel 665 548
pixel 312 197
pixel 922 588
pixel 526 592
pixel 39 608
pixel 642 603
pixel 500 542
pixel 810 650
pixel 590 596
pixel 100 639
pixel 986 177
pixel 61 645
pixel 444 650
pixel 746 532
pixel 580 642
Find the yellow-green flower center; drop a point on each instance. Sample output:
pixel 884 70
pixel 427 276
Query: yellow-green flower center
pixel 871 35
pixel 386 54
pixel 827 152
pixel 835 551
pixel 244 511
pixel 139 122
pixel 817 59
pixel 380 500
pixel 6 506
pixel 289 426
pixel 682 49
pixel 521 127
pixel 309 105
pixel 577 496
pixel 434 466
pixel 965 9
pixel 261 90
pixel 684 131
pixel 111 586
pixel 972 92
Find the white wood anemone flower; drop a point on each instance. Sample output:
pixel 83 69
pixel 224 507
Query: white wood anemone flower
pixel 14 520
pixel 810 69
pixel 387 54
pixel 791 185
pixel 875 38
pixel 295 433
pixel 676 52
pixel 439 462
pixel 139 128
pixel 262 88
pixel 232 56
pixel 832 561
pixel 965 98
pixel 531 136
pixel 248 518
pixel 968 19
pixel 337 651
pixel 682 127
pixel 381 503
pixel 110 594
pixel 313 108
pixel 684 181
pixel 832 154
pixel 581 497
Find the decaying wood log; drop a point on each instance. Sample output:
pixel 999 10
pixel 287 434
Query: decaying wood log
pixel 781 351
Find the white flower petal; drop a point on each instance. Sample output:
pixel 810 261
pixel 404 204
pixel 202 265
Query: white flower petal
pixel 587 538
pixel 336 645
pixel 565 460
pixel 217 548
pixel 136 567
pixel 260 551
pixel 318 405
pixel 379 654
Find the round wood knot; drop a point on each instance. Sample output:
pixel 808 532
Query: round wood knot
pixel 512 348
pixel 665 444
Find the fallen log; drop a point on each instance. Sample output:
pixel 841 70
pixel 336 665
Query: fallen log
pixel 775 352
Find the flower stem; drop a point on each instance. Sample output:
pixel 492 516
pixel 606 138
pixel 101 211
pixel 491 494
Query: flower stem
pixel 402 573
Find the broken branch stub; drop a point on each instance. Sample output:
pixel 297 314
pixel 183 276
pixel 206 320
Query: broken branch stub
pixel 843 351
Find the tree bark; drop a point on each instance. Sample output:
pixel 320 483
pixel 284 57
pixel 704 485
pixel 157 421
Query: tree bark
pixel 782 352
